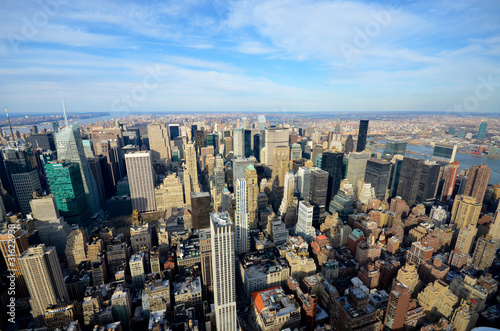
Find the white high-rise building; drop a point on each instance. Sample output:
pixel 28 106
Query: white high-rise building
pixel 304 227
pixel 44 278
pixel 289 188
pixel 223 271
pixel 238 142
pixel 141 180
pixel 69 147
pixel 242 237
pixel 137 274
pixel 192 167
pixel 304 182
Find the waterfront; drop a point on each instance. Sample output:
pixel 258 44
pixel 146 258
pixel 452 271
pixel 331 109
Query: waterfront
pixel 465 160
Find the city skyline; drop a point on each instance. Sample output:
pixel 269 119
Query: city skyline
pixel 275 56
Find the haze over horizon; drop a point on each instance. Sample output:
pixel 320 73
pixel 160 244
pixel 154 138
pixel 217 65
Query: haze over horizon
pixel 266 56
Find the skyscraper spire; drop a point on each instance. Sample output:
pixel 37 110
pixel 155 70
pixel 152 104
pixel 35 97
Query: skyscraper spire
pixel 10 125
pixel 64 109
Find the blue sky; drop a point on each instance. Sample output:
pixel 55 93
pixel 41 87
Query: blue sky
pixel 267 55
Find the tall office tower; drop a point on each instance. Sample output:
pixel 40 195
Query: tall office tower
pixel 466 236
pixel 428 184
pixel 192 167
pixel 169 194
pixel 239 142
pixel 444 153
pixel 67 187
pixel 213 140
pixel 274 138
pixel 377 173
pixel 44 279
pixel 295 152
pixel 484 254
pixel 241 226
pixel 206 263
pixel 481 134
pixel 256 146
pixel 228 145
pixel 397 307
pixel 465 211
pixel 304 226
pixel 356 168
pixel 137 265
pixel 25 184
pixel 332 162
pixel 317 150
pixel 98 166
pixel 477 182
pixel 288 192
pixel 252 183
pixel 248 143
pixel 16 161
pixel 304 182
pixel 174 130
pixel 44 141
pixel 199 140
pixel 319 187
pixel 396 165
pixel 281 156
pixel 70 147
pixel 362 134
pixel 240 166
pixel 13 243
pixel 261 122
pixel 450 173
pixel 75 248
pixel 395 148
pixel 349 145
pixel 159 144
pixel 141 179
pixel 409 179
pixel 201 208
pixel 223 271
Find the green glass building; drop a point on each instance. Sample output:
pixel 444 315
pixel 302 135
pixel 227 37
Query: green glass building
pixel 66 184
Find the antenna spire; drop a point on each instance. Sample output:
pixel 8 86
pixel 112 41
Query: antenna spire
pixel 10 125
pixel 64 109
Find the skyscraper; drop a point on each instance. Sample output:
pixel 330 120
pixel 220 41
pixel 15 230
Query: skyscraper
pixel 481 134
pixel 44 279
pixel 356 168
pixel 248 143
pixel 465 211
pixel 349 145
pixel 223 270
pixel 362 134
pixel 274 138
pixel 192 167
pixel 252 184
pixel 239 142
pixel 304 226
pixel 444 153
pixel 304 182
pixel 66 185
pixel 70 147
pixel 141 180
pixel 450 173
pixel 159 144
pixel 428 184
pixel 477 182
pixel 242 235
pixel 377 173
pixel 484 254
pixel 13 243
pixel 281 157
pixel 397 307
pixel 319 187
pixel 409 179
pixel 333 162
pixel 201 208
pixel 395 148
pixel 25 184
